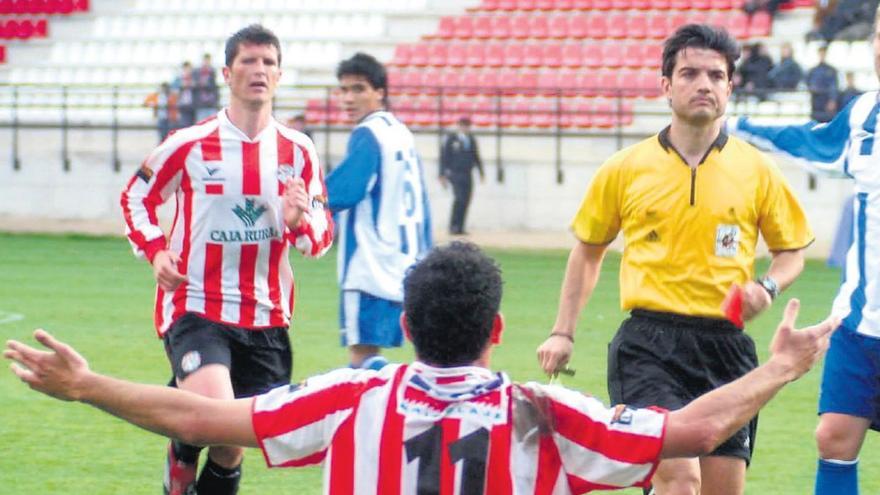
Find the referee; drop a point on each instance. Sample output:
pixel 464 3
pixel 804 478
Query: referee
pixel 690 202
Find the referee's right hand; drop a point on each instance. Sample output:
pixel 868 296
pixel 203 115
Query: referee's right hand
pixel 555 352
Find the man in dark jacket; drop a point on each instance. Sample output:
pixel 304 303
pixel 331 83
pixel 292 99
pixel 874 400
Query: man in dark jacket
pixel 788 73
pixel 459 155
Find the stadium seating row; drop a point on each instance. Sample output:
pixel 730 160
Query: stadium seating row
pixel 218 26
pixel 29 7
pixel 618 25
pixel 251 6
pixel 528 5
pixel 612 54
pixel 491 112
pixel 23 29
pixel 510 81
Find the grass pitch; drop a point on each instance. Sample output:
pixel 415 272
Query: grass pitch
pixel 93 294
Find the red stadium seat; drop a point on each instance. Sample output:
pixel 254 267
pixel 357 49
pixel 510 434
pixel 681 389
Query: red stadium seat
pixel 464 27
pixel 633 54
pixel 538 26
pixel 581 114
pixel 494 54
pixel 483 27
pixel 628 82
pixel 549 82
pixel 701 4
pixel 484 112
pixel 81 5
pixel 598 25
pixel 508 78
pixel 612 54
pixel 737 23
pixel 526 5
pixel 648 81
pixel 507 4
pixel 2 54
pixel 5 7
pixel 543 113
pixel 637 25
pixel 475 54
pixel 501 26
pixel 551 54
pixel 519 26
pixel 432 79
pixel 601 4
pixel 394 77
pixel 546 4
pixel 517 113
pixel 568 81
pixel 533 55
pixel 591 55
pixel 513 54
pixel 572 54
pixel 557 26
pixel 617 25
pixel 579 25
pixel 452 82
pixel 641 4
pixel 680 4
pixel 402 54
pixel 652 55
pixel 609 82
pixel 489 5
pixel 621 4
pixel 446 27
pixel 677 20
pixel 456 55
pixel 419 54
pixel 721 4
pixel 660 4
pixel 438 53
pixel 587 83
pixel 563 4
pixel 411 82
pixel 603 114
pixel 487 81
pixel 659 25
pixel 582 4
pixel 527 82
pixel 697 17
pixel 760 24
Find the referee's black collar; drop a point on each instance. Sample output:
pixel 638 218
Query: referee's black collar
pixel 719 143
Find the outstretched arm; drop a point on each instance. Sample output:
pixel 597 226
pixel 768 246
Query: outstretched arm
pixel 63 374
pixel 705 423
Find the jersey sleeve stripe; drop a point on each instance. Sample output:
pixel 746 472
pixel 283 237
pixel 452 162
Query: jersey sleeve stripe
pixel 391 443
pixel 598 436
pixel 594 467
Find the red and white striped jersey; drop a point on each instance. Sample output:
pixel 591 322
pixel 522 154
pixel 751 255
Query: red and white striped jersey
pixel 455 431
pixel 229 226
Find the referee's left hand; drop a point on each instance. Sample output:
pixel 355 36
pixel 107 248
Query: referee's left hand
pixel 755 300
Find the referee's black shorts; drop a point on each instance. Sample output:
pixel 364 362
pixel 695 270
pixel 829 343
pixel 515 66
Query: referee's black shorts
pixel 668 360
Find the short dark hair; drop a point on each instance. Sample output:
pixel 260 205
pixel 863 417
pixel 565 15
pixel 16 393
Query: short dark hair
pixel 362 64
pixel 254 34
pixel 700 36
pixel 451 298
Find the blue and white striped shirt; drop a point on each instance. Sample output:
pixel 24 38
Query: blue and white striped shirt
pixel 848 146
pixel 378 196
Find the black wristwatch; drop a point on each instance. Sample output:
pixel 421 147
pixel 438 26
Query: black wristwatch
pixel 769 285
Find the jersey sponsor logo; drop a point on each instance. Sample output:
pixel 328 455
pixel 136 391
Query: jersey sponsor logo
pixel 256 235
pixel 190 361
pixel 285 172
pixel 318 202
pixel 653 236
pixel 250 213
pixel 727 240
pixel 144 173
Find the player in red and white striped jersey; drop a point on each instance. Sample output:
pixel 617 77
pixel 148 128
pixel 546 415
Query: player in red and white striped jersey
pixel 445 424
pixel 245 187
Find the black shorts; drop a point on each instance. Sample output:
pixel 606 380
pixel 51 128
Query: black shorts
pixel 668 360
pixel 258 360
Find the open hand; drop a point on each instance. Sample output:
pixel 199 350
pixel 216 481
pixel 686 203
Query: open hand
pixel 58 372
pixel 798 350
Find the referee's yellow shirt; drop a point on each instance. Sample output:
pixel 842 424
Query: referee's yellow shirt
pixel 689 233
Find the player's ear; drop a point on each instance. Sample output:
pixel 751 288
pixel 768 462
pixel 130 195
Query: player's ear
pixel 225 74
pixel 405 326
pixel 497 328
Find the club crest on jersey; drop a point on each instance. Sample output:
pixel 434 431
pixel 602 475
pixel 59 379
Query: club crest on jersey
pixel 144 173
pixel 285 172
pixel 190 361
pixel 727 240
pixel 250 213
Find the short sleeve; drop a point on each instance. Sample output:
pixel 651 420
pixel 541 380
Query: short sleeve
pixel 782 220
pixel 598 218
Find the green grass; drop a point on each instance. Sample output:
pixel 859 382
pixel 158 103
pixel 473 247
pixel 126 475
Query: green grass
pixel 93 294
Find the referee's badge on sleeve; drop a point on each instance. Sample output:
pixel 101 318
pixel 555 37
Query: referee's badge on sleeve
pixel 727 240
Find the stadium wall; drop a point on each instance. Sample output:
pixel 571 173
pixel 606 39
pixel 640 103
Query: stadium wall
pixel 41 195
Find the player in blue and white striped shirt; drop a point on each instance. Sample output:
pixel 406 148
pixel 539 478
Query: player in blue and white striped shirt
pixel 849 400
pixel 378 195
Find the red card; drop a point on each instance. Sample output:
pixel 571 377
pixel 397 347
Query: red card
pixel 734 308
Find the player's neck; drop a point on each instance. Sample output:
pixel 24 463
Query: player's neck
pixel 692 140
pixel 250 119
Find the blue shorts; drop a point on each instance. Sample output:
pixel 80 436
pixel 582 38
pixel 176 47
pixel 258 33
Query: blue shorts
pixel 851 378
pixel 369 320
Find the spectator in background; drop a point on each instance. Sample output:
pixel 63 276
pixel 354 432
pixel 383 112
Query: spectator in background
pixel 788 73
pixel 207 94
pixel 849 93
pixel 770 6
pixel 184 86
pixel 164 105
pixel 458 158
pixel 849 20
pixel 298 122
pixel 822 84
pixel 755 71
